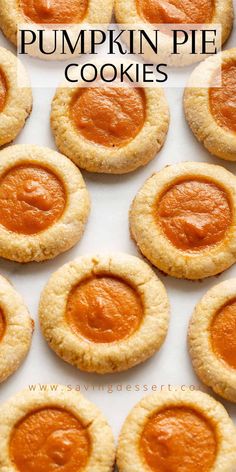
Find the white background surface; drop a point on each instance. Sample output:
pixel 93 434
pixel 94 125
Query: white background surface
pixel 107 230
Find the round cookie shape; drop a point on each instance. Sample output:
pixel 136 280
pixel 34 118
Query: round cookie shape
pixel 177 431
pixel 70 13
pixel 149 14
pixel 15 96
pixel 211 339
pixel 111 312
pixel 44 203
pixel 56 428
pixel 210 110
pixel 111 130
pixel 16 329
pixel 183 220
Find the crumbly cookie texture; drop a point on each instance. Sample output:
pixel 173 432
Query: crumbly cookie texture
pixel 105 357
pixel 11 17
pixel 154 244
pixel 210 368
pixel 128 455
pixel 116 160
pixel 19 97
pixel 218 140
pixel 16 340
pixel 126 12
pixel 65 232
pixel 102 456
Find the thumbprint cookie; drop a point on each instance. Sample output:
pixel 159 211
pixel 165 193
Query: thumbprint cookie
pixel 104 313
pixel 54 429
pixel 179 432
pixel 211 110
pixel 15 96
pixel 111 130
pixel 16 329
pixel 73 14
pixel 44 203
pixel 201 17
pixel 183 220
pixel 211 338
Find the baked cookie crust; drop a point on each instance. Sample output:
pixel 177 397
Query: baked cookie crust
pixel 128 456
pixel 11 17
pixel 18 104
pixel 126 12
pixel 210 368
pixel 16 340
pixel 155 245
pixel 102 455
pixel 111 160
pixel 218 140
pixel 68 229
pixel 105 357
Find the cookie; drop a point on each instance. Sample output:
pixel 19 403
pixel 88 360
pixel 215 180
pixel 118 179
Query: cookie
pixel 104 313
pixel 70 13
pixel 210 110
pixel 187 431
pixel 183 220
pixel 44 203
pixel 16 329
pixel 161 15
pixel 15 96
pixel 111 130
pixel 212 339
pixel 54 429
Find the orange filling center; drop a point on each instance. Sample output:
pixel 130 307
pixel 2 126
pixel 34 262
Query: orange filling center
pixel 3 91
pixel 176 11
pixel 178 440
pixel 54 11
pixel 2 325
pixel 31 199
pixel 109 116
pixel 50 440
pixel 223 331
pixel 223 99
pixel 104 309
pixel 194 214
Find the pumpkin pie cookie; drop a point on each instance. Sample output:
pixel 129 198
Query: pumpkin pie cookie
pixel 104 313
pixel 149 14
pixel 16 329
pixel 44 203
pixel 73 13
pixel 15 96
pixel 183 220
pixel 211 338
pixel 211 110
pixel 178 432
pixel 110 129
pixel 54 429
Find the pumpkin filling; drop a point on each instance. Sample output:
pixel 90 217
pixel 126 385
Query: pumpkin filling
pixel 110 116
pixel 3 91
pixel 2 325
pixel 194 214
pixel 223 98
pixel 104 309
pixel 178 439
pixel 31 199
pixel 176 11
pixel 223 331
pixel 54 11
pixel 50 440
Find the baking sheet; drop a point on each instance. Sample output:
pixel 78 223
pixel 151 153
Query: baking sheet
pixel 107 230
